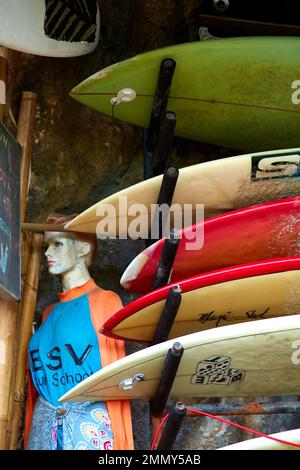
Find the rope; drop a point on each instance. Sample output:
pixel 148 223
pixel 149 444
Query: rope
pixel 222 420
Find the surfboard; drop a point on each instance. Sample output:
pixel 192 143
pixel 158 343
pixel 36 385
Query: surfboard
pixel 262 443
pixel 221 185
pixel 239 93
pixel 260 358
pixel 269 230
pixel 54 28
pixel 236 294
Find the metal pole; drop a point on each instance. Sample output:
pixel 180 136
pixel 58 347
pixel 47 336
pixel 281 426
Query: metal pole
pixel 160 102
pixel 166 196
pixel 168 315
pixel 164 143
pixel 166 261
pixel 168 375
pixel 172 427
pixel 159 107
pixel 161 215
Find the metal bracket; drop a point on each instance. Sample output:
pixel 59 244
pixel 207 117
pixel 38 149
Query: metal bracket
pixel 131 382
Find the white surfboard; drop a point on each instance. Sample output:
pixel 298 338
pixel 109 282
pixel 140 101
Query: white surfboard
pixel 54 28
pixel 221 185
pixel 260 358
pixel 262 443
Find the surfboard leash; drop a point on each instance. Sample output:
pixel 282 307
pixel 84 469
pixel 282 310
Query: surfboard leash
pixel 222 420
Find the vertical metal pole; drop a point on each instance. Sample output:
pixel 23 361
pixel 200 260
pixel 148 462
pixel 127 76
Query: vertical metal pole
pixel 164 143
pixel 168 375
pixel 166 261
pixel 161 215
pixel 172 427
pixel 159 107
pixel 160 102
pixel 168 315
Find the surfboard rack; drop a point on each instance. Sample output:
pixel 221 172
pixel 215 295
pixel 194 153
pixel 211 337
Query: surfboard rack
pixel 165 198
pixel 168 315
pixel 159 400
pixel 166 261
pixel 164 143
pixel 158 137
pixel 178 412
pixel 172 427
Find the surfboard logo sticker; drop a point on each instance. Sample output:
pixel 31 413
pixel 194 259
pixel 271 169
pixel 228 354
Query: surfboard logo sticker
pixel 279 166
pixel 215 370
pixel 71 20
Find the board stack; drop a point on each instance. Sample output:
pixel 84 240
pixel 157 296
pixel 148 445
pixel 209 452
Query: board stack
pixel 235 271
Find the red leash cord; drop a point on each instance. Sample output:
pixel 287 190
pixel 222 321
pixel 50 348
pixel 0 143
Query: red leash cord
pixel 226 421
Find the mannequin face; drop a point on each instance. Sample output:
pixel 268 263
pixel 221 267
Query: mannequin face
pixel 61 253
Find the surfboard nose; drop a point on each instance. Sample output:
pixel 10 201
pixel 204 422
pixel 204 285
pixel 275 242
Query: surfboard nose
pixel 133 270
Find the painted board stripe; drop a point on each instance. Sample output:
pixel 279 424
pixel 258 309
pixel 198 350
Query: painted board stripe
pixel 71 20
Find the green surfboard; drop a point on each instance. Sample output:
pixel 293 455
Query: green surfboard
pixel 242 93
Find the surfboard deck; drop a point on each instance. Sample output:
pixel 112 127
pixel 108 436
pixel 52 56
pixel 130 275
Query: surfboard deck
pixel 236 294
pixel 221 185
pixel 262 443
pixel 260 358
pixel 50 28
pixel 269 230
pixel 234 92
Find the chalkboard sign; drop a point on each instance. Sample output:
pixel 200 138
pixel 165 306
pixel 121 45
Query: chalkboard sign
pixel 10 259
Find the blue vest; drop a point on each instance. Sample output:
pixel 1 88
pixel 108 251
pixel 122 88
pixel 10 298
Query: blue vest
pixel 65 349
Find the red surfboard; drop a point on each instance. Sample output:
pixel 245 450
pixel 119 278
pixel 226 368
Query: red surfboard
pixel 263 231
pixel 237 294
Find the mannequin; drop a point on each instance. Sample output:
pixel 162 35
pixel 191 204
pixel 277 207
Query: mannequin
pixel 68 348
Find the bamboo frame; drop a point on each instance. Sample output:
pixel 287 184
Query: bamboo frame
pixel 41 228
pixel 8 316
pixel 25 325
pixel 25 138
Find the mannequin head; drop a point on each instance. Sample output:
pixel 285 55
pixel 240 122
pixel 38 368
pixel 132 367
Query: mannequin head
pixel 64 252
pixel 69 254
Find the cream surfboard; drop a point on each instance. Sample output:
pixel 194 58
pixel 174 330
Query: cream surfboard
pixel 269 230
pixel 55 28
pixel 221 185
pixel 259 358
pixel 236 294
pixel 263 443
